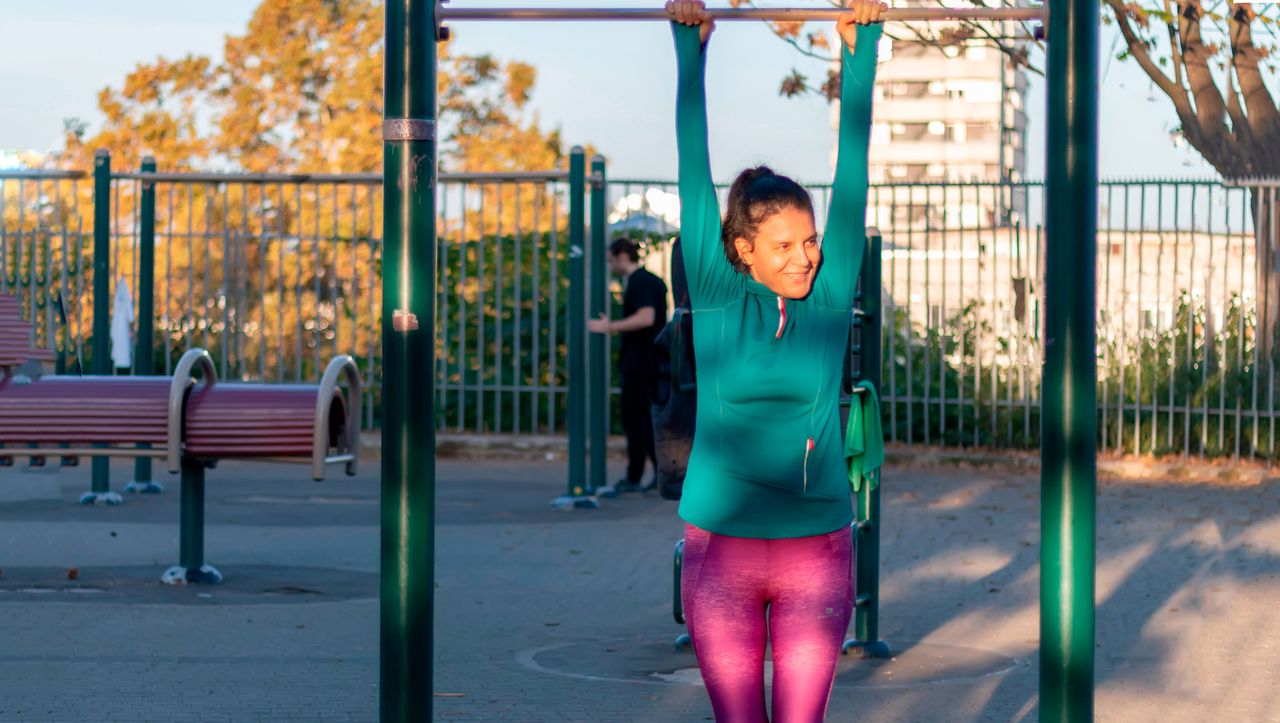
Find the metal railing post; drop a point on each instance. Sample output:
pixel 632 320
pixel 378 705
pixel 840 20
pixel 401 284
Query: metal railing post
pixel 598 346
pixel 144 359
pixel 578 494
pixel 100 492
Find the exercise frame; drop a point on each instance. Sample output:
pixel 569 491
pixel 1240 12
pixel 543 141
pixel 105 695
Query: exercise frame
pixel 1068 398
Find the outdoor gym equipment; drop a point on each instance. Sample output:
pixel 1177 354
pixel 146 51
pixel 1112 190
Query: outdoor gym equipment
pixel 1068 421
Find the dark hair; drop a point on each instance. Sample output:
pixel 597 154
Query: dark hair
pixel 625 246
pixel 756 194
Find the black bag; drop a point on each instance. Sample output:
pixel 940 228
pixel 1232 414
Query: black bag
pixel 675 403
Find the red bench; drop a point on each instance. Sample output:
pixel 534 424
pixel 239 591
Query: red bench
pixel 189 420
pixel 15 339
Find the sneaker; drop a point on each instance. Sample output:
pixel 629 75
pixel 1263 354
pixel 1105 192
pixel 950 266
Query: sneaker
pixel 653 484
pixel 619 487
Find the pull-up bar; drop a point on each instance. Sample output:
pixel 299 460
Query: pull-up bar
pixel 1068 420
pixel 782 14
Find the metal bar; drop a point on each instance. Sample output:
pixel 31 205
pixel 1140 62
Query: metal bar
pixel 1068 468
pixel 1108 310
pixel 366 179
pixel 37 174
pixel 464 364
pixel 408 351
pixel 144 363
pixel 517 268
pixel 907 326
pixel 480 312
pixel 445 284
pixel 1222 365
pixel 867 542
pixel 535 360
pixel 1142 336
pixel 597 350
pixel 1191 325
pixel 576 322
pixel 721 14
pixel 101 485
pixel 1265 241
pixel 297 283
pixel 499 311
pixel 553 313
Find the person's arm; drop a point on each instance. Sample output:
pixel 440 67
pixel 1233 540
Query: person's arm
pixel 708 272
pixel 845 236
pixel 643 318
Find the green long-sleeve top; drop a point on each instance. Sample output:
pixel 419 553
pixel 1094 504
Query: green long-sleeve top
pixel 767 459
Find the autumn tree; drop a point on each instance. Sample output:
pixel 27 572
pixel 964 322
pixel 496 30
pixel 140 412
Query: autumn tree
pixel 283 269
pixel 301 90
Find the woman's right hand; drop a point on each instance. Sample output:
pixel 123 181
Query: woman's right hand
pixel 692 12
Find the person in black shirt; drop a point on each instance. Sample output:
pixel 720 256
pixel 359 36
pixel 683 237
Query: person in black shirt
pixel 644 313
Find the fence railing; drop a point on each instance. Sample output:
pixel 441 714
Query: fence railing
pixel 275 273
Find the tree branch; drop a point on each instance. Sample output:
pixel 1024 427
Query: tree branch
pixel 1138 48
pixel 1263 117
pixel 1176 48
pixel 1210 112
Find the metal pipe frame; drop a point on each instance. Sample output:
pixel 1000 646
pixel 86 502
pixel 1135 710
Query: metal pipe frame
pixel 721 14
pixel 183 378
pixel 367 179
pixel 341 368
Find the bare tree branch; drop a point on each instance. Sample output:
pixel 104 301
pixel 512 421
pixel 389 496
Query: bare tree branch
pixel 1173 44
pixel 1138 49
pixel 1239 123
pixel 1263 117
pixel 1210 110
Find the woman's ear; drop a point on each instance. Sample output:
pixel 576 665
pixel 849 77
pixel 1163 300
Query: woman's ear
pixel 746 250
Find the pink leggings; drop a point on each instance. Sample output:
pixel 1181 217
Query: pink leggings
pixel 797 594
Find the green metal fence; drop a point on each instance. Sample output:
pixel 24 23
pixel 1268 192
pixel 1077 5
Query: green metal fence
pixel 276 273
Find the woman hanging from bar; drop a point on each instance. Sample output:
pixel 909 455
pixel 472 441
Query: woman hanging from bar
pixel 767 505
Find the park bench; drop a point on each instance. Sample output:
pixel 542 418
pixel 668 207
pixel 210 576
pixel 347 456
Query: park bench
pixel 189 420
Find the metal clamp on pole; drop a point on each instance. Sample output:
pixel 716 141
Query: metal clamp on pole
pixel 408 129
pixel 443 34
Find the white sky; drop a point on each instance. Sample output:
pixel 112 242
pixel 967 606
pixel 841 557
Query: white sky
pixel 610 85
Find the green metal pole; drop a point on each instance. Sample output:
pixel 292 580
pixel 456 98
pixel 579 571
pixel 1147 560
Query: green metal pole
pixel 1068 444
pixel 191 567
pixel 144 359
pixel 598 343
pixel 408 329
pixel 867 613
pixel 101 489
pixel 578 495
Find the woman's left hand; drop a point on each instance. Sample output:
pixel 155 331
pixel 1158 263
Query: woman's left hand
pixel 859 12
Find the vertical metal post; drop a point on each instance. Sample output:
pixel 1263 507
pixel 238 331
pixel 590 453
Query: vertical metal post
pixel 100 492
pixel 867 642
pixel 191 567
pixel 144 359
pixel 1068 444
pixel 578 495
pixel 408 357
pixel 598 349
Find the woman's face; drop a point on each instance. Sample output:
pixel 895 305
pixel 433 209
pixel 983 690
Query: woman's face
pixel 785 255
